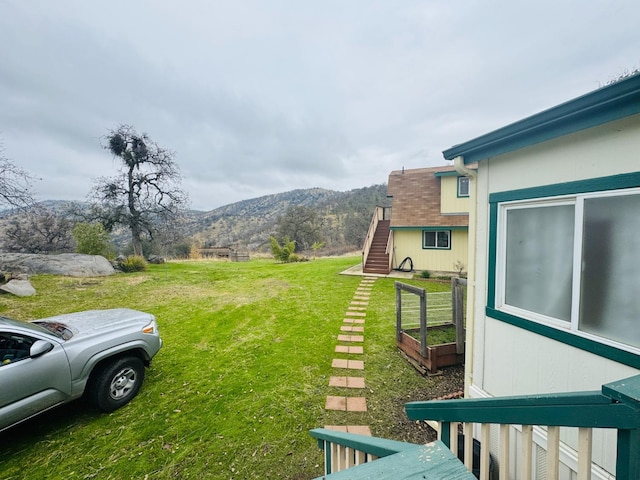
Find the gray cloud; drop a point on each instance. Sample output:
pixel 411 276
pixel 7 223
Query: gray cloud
pixel 262 97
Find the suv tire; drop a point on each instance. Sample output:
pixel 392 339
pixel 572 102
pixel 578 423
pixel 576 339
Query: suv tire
pixel 115 383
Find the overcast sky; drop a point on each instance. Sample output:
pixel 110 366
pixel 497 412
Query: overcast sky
pixel 265 96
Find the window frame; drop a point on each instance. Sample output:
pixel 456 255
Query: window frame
pixel 436 232
pixel 459 190
pixel 500 298
pixel 566 332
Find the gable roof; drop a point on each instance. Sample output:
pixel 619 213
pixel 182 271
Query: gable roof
pixel 416 199
pixel 613 102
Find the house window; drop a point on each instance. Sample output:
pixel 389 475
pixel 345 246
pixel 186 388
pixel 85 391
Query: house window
pixel 440 239
pixel 463 186
pixel 573 262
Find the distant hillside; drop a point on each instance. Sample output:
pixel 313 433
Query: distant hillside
pixel 250 222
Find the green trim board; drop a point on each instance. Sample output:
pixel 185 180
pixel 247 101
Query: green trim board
pixel 609 408
pixel 451 173
pixel 431 229
pixel 492 254
pixel 613 102
pixel 379 447
pixel 601 184
pixel 626 390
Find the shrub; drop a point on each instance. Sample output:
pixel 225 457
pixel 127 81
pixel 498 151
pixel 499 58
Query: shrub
pixel 92 239
pixel 284 253
pixel 425 274
pixel 134 263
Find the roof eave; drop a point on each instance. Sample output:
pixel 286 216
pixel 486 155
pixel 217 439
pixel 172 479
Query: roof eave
pixel 613 102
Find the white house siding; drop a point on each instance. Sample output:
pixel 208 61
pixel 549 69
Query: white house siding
pixel 409 242
pixel 508 360
pixel 450 203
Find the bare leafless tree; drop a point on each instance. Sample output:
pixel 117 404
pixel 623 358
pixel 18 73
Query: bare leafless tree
pixel 38 230
pixel 146 195
pixel 15 184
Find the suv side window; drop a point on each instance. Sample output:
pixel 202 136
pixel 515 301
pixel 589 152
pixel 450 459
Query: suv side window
pixel 14 347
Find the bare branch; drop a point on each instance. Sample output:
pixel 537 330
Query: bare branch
pixel 146 196
pixel 15 184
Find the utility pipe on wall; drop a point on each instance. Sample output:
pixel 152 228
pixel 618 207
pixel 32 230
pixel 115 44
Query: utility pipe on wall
pixel 461 168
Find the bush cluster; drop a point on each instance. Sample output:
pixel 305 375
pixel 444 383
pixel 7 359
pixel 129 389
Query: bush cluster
pixel 425 274
pixel 134 263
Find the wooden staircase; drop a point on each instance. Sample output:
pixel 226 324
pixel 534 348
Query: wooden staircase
pixel 377 260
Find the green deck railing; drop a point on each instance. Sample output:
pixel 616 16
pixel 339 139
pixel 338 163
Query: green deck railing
pixel 616 406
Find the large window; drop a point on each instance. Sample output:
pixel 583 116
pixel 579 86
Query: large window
pixel 436 239
pixel 573 262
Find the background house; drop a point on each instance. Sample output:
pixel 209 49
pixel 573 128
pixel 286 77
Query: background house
pixel 429 218
pixel 555 272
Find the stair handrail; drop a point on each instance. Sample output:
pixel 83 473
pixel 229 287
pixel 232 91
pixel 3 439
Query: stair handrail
pixel 378 214
pixel 390 250
pixel 344 450
pixel 616 406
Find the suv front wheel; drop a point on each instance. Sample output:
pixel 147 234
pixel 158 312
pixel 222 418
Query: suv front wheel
pixel 116 383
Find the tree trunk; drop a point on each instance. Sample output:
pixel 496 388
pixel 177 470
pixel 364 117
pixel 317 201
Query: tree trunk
pixel 135 217
pixel 135 240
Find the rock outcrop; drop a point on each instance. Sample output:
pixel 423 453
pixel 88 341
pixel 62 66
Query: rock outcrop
pixel 68 264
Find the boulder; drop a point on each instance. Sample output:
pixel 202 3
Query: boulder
pixel 68 264
pixel 155 259
pixel 19 288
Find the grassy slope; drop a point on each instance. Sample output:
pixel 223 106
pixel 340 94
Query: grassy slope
pixel 242 376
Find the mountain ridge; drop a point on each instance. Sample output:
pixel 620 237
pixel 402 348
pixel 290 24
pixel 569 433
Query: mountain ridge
pixel 344 217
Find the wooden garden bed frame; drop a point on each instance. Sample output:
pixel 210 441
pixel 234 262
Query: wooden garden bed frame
pixel 422 355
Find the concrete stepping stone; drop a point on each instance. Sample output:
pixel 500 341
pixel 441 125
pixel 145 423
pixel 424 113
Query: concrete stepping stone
pixel 346 404
pixel 359 321
pixel 350 328
pixel 351 338
pixel 346 382
pixel 349 349
pixel 348 364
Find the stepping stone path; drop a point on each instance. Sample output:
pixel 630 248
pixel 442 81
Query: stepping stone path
pixel 351 381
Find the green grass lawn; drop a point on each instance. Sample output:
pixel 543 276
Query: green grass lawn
pixel 241 379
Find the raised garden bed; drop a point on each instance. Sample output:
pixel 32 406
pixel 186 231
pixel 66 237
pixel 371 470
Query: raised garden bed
pixel 413 342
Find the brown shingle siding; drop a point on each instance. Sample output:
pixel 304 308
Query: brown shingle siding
pixel 416 199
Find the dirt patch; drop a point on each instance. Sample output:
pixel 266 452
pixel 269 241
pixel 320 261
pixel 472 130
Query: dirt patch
pixel 448 382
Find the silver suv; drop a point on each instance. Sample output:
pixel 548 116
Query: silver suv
pixel 100 354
